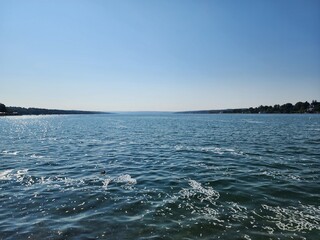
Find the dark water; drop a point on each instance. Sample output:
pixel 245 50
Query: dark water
pixel 166 177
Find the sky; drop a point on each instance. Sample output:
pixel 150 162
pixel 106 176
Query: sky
pixel 159 55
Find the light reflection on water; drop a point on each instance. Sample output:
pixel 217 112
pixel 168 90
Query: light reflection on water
pixel 167 176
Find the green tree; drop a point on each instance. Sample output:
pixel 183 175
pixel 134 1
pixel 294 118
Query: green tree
pixel 315 105
pixel 3 108
pixel 306 106
pixel 286 108
pixel 298 107
pixel 276 108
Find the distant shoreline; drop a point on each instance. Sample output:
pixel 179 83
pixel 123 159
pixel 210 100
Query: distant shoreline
pixel 221 112
pixel 51 114
pixel 288 108
pixel 20 111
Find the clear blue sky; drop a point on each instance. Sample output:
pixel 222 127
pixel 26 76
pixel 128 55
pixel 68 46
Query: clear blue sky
pixel 158 55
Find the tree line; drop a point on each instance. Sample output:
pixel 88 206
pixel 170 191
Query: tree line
pixel 299 107
pixel 38 111
pixel 3 108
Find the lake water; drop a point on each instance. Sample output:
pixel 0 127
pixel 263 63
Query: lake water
pixel 160 176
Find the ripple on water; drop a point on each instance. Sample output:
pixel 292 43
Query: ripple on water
pixel 6 152
pixel 125 178
pixel 202 193
pixel 23 177
pixel 178 177
pixel 36 156
pixel 210 149
pixel 294 219
pixel 6 174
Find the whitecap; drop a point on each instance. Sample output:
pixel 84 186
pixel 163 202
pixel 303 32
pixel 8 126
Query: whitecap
pixel 211 149
pixel 106 182
pixel 5 175
pixel 126 178
pixel 21 174
pixel 281 175
pixel 208 194
pixel 36 156
pixel 5 152
pixel 178 147
pixel 294 219
pixel 221 150
pixel 247 237
pixel 252 121
pixel 270 230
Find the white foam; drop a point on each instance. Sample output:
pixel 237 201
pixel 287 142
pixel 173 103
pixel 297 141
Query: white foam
pixel 106 182
pixel 5 175
pixel 247 237
pixel 203 193
pixel 126 178
pixel 237 211
pixel 209 192
pixel 216 150
pixel 36 156
pixel 270 230
pixel 294 218
pixel 20 175
pixel 252 121
pixel 10 152
pixel 178 147
pixel 281 175
pixel 221 150
pixel 213 149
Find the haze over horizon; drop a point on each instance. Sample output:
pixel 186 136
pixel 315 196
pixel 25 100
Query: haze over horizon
pixel 158 55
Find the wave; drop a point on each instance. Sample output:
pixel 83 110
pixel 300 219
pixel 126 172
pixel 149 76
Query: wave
pixel 6 152
pixel 212 149
pixel 6 174
pixel 294 219
pixel 23 177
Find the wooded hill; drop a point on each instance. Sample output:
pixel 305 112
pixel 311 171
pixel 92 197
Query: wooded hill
pixel 39 111
pixel 299 107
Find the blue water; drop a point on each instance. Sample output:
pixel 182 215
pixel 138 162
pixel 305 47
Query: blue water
pixel 160 176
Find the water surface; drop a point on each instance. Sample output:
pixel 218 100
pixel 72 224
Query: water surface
pixel 160 176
